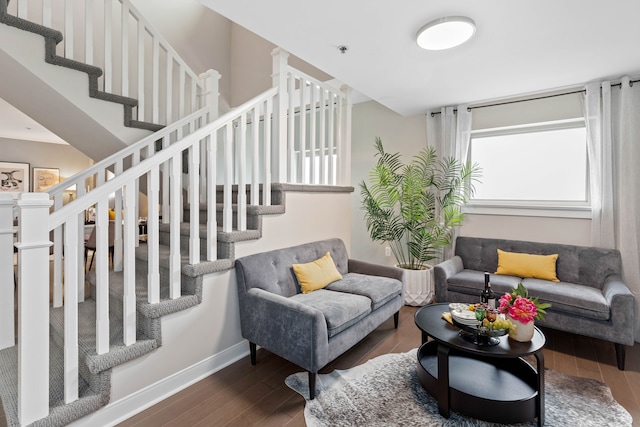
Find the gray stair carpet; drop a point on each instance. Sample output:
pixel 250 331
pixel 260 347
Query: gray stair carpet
pixel 94 369
pixel 51 39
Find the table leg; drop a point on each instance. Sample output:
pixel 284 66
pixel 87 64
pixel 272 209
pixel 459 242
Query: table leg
pixel 425 337
pixel 443 380
pixel 540 398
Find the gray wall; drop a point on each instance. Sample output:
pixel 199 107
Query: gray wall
pixel 41 154
pixel 406 135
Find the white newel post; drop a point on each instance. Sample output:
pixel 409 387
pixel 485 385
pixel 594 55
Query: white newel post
pixel 7 325
pixel 211 84
pixel 33 307
pixel 279 145
pixel 344 153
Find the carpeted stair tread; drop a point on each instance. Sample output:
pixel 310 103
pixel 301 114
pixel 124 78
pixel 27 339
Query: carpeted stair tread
pixel 118 353
pixel 227 237
pixel 112 97
pixel 195 270
pixel 60 414
pixel 251 209
pixel 145 125
pixel 152 311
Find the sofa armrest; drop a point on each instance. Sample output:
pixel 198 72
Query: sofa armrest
pixel 622 303
pixel 285 327
pixel 442 272
pixel 371 269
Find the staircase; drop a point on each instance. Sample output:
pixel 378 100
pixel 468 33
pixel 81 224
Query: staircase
pixel 206 184
pixel 89 59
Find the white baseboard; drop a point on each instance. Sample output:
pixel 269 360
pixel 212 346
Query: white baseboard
pixel 120 410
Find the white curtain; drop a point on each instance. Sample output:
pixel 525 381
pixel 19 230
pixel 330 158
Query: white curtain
pixel 597 112
pixel 613 122
pixel 626 137
pixel 449 133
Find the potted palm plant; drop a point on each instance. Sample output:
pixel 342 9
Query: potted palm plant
pixel 414 208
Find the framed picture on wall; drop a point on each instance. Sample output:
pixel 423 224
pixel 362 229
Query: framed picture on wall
pixel 45 178
pixel 14 177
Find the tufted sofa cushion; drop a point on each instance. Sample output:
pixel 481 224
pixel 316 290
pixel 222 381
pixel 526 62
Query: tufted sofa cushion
pixel 379 290
pixel 340 310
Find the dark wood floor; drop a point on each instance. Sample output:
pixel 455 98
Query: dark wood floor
pixel 245 395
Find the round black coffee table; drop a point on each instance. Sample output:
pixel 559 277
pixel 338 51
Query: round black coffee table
pixel 491 383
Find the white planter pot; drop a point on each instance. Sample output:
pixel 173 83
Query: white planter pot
pixel 523 332
pixel 418 286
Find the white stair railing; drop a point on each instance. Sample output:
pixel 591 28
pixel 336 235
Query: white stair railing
pixel 99 173
pixel 318 127
pixel 244 147
pixel 137 62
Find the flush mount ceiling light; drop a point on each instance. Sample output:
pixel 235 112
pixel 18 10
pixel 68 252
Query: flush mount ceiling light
pixel 445 33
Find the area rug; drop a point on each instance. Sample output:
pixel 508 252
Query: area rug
pixel 386 391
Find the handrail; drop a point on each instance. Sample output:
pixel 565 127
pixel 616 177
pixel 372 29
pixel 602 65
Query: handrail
pixel 75 207
pixel 128 151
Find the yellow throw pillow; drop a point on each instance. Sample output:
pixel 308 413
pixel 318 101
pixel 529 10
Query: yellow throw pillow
pixel 317 274
pixel 112 214
pixel 527 265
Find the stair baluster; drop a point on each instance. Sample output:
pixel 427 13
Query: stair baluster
pixel 71 374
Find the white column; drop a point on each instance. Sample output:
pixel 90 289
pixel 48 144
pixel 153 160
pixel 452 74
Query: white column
pixel 279 145
pixel 33 307
pixel 7 325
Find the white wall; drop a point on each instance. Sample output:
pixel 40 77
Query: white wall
pixel 251 65
pixel 200 36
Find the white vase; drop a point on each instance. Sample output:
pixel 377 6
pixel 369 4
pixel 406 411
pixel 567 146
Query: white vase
pixel 418 286
pixel 523 331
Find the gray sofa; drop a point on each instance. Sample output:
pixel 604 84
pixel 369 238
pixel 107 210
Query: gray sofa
pixel 591 299
pixel 313 329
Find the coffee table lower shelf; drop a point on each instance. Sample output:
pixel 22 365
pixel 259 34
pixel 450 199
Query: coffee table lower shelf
pixel 501 390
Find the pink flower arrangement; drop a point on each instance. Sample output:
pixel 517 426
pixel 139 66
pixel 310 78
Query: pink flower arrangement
pixel 519 306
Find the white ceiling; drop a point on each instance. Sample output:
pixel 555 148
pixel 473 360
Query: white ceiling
pixel 14 124
pixel 520 47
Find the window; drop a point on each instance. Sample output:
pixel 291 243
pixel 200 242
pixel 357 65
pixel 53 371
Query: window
pixel 538 166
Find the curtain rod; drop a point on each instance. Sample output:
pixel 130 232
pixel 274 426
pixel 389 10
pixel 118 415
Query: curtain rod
pixel 455 110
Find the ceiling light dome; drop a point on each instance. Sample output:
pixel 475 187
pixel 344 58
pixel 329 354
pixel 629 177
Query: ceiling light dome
pixel 445 33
